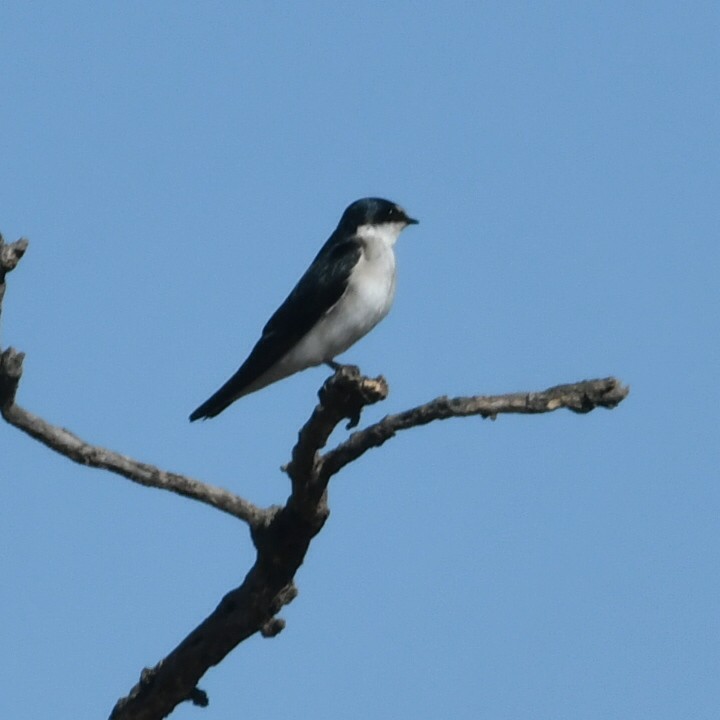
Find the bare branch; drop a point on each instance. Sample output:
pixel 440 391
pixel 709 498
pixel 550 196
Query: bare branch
pixel 342 396
pixel 281 543
pixel 241 613
pixel 82 452
pixel 580 397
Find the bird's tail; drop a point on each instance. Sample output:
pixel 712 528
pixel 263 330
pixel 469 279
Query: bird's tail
pixel 260 369
pixel 215 404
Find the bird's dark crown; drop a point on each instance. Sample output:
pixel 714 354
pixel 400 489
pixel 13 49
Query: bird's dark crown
pixel 373 211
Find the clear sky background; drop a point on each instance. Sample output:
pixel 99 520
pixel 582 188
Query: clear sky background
pixel 177 165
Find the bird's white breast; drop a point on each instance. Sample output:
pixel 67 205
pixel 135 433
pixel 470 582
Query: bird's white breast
pixel 365 302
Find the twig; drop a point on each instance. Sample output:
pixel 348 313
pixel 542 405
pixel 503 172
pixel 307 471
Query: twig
pixel 580 397
pixel 82 452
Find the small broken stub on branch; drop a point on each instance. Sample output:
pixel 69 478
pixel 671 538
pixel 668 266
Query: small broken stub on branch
pixel 348 392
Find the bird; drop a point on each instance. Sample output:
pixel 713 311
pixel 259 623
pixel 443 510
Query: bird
pixel 347 290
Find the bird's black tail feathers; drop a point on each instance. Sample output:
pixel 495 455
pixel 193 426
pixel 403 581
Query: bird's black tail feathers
pixel 215 404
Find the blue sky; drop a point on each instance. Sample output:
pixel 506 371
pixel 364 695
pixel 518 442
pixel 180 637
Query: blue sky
pixel 177 165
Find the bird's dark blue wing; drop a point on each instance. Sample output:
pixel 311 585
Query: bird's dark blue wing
pixel 317 291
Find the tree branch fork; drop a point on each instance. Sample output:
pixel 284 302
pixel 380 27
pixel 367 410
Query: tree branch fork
pixel 281 534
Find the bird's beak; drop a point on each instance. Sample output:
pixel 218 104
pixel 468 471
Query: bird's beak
pixel 411 221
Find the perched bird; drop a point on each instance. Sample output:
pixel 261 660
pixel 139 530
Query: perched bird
pixel 346 291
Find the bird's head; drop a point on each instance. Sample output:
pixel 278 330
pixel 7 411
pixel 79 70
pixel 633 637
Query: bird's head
pixel 375 215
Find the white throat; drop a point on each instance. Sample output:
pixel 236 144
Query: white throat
pixel 385 233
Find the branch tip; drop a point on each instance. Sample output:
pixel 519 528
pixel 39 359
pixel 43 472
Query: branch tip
pixel 342 396
pixel 350 392
pixel 11 254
